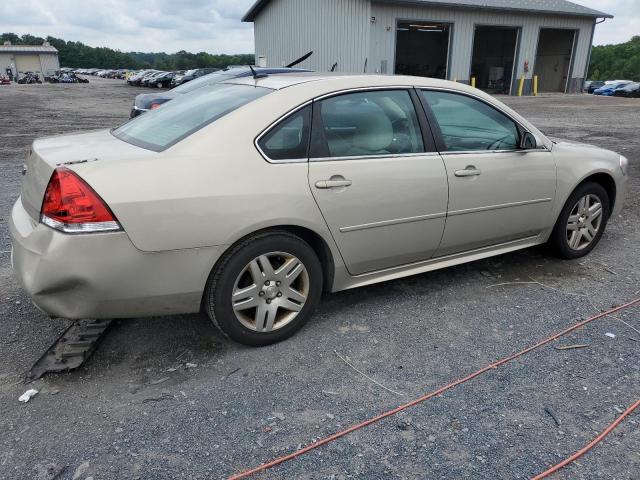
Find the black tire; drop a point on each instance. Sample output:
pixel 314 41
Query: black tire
pixel 558 240
pixel 219 289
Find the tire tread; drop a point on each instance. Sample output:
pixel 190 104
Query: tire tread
pixel 214 278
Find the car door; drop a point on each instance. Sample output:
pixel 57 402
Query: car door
pixel 377 179
pixel 498 192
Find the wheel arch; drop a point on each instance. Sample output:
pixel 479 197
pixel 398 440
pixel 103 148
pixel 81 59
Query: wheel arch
pixel 601 177
pixel 314 239
pixel 606 181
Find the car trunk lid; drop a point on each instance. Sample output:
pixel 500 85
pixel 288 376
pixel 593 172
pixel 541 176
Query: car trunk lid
pixel 47 154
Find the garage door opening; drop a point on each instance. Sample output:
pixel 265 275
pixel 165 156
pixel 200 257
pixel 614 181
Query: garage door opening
pixel 28 63
pixel 494 57
pixel 422 49
pixel 553 60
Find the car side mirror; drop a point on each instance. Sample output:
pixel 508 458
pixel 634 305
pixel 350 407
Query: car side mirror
pixel 528 141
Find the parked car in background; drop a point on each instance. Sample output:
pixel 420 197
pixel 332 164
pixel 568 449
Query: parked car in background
pixel 211 203
pixel 609 89
pixel 28 78
pixel 591 85
pixel 608 82
pixel 137 79
pixel 163 81
pixel 149 80
pixel 191 75
pixel 150 101
pixel 631 90
pixel 64 76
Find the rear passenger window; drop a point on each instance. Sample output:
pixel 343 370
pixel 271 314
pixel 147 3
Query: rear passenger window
pixel 377 123
pixel 289 139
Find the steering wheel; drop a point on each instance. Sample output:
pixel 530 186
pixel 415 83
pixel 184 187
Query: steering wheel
pixel 400 125
pixel 497 143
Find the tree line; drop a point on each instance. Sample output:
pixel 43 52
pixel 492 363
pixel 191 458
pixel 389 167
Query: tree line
pixel 79 55
pixel 616 62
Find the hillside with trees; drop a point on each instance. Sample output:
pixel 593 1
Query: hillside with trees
pixel 79 55
pixel 616 62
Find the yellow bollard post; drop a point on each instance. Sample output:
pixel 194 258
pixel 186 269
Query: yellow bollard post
pixel 473 82
pixel 535 85
pixel 521 86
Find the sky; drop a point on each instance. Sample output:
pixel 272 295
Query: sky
pixel 199 25
pixel 625 25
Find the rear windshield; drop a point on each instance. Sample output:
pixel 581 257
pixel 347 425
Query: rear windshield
pixel 203 81
pixel 159 129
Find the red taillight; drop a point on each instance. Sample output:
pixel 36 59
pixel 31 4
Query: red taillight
pixel 72 206
pixel 155 105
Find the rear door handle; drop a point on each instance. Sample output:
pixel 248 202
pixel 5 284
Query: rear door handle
pixel 470 171
pixel 325 184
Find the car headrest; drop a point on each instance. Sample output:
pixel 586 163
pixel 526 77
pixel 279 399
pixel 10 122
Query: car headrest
pixel 374 131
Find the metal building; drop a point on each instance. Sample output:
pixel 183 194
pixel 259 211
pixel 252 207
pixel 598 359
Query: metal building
pixel 28 58
pixel 495 42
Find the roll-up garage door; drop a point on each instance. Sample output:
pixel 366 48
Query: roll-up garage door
pixel 28 63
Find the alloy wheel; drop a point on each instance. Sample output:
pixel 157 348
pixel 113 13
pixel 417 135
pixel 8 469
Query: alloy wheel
pixel 584 222
pixel 270 292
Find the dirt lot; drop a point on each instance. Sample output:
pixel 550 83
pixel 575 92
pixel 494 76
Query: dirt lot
pixel 128 414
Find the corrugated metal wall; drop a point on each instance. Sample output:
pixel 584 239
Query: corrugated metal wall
pixel 383 34
pixel 6 60
pixel 49 62
pixel 336 30
pixel 342 31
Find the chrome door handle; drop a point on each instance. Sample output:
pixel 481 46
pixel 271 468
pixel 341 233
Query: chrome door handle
pixel 470 171
pixel 324 184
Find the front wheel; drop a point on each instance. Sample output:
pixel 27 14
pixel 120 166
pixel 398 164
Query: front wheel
pixel 582 222
pixel 264 289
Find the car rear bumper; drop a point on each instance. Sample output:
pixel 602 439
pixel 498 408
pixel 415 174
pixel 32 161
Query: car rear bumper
pixel 104 275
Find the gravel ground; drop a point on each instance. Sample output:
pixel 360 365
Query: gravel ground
pixel 137 411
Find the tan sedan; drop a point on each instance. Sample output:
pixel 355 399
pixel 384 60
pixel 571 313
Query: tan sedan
pixel 247 199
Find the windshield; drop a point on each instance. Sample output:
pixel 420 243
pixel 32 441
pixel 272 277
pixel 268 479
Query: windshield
pixel 160 129
pixel 203 81
pixel 190 72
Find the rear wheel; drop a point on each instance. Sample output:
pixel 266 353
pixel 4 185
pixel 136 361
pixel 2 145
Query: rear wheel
pixel 582 221
pixel 264 289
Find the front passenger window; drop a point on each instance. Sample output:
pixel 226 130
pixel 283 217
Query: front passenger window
pixel 468 124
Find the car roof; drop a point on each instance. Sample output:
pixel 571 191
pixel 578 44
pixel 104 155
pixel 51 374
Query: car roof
pixel 279 82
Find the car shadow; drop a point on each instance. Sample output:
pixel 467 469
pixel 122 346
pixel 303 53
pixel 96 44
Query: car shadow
pixel 160 344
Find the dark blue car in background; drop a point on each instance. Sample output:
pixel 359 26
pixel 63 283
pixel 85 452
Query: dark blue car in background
pixel 609 89
pixel 150 101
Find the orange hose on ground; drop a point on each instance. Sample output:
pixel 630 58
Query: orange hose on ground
pixel 499 363
pixel 593 443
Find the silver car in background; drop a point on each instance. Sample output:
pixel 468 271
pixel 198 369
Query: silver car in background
pixel 248 199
